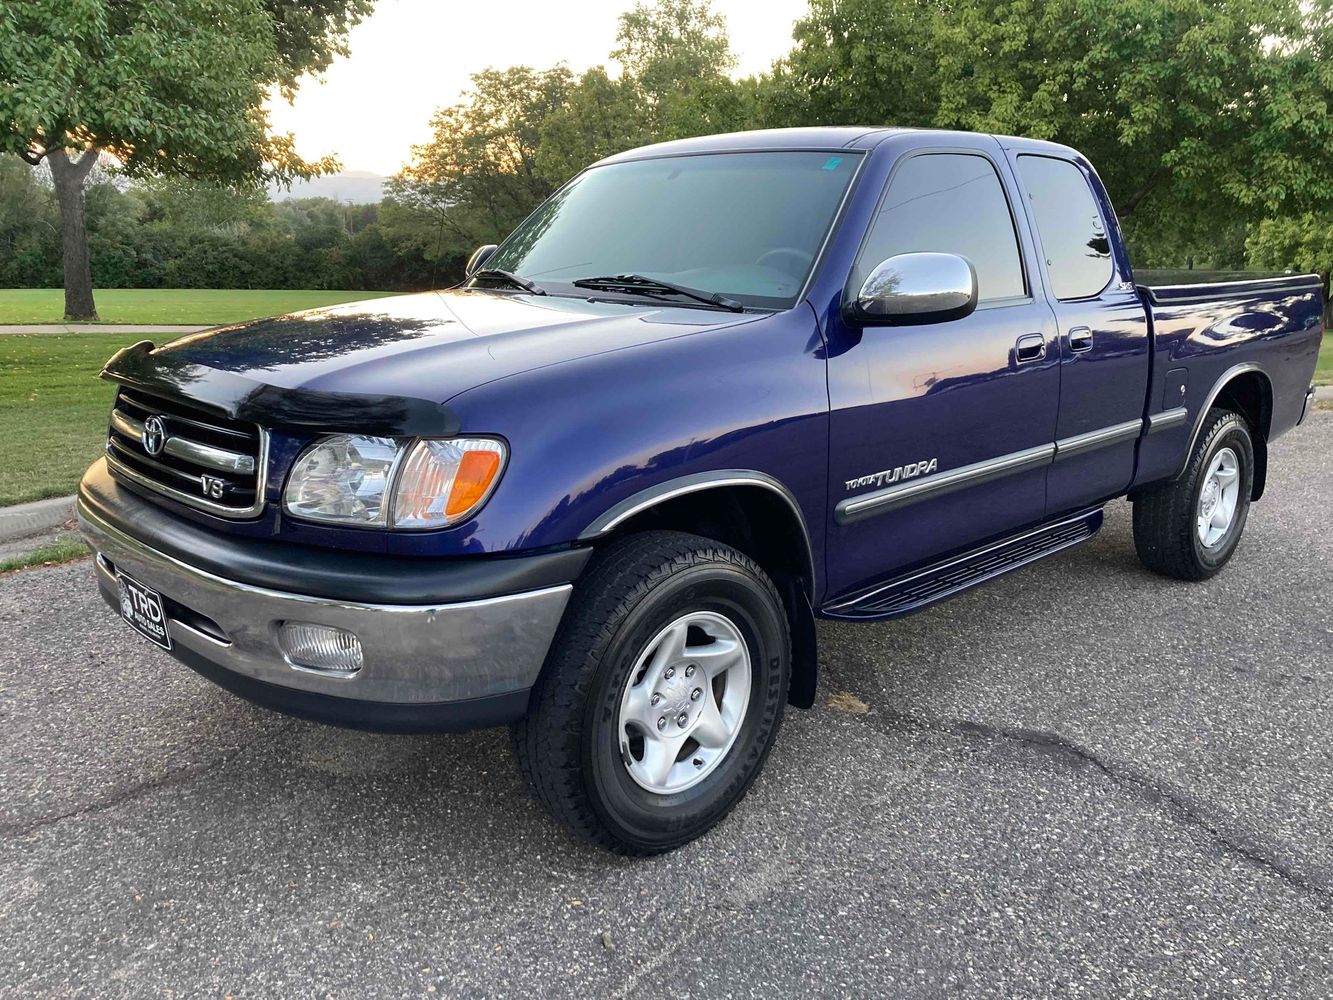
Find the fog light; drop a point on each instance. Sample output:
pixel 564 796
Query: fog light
pixel 320 647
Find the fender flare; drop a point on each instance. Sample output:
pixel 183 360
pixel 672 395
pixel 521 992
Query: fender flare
pixel 1223 380
pixel 698 482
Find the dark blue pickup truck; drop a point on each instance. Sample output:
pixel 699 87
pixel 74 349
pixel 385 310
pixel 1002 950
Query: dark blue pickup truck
pixel 709 391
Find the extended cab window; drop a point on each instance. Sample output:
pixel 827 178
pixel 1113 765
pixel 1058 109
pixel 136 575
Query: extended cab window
pixel 1073 236
pixel 950 203
pixel 749 225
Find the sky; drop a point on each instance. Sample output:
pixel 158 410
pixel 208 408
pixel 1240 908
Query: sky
pixel 413 56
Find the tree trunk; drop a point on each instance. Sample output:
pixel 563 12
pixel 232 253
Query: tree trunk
pixel 69 176
pixel 1126 208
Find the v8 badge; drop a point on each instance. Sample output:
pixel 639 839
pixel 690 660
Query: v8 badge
pixel 211 486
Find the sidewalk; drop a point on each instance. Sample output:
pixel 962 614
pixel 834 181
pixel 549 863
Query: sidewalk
pixel 25 519
pixel 102 328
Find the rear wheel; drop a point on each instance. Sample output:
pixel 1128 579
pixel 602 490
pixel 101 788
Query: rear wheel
pixel 1189 528
pixel 662 695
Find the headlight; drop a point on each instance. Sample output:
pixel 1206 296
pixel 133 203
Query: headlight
pixel 343 479
pixel 378 481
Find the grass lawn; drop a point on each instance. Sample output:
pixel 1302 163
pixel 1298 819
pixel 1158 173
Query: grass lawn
pixel 63 549
pixel 187 306
pixel 1323 373
pixel 53 409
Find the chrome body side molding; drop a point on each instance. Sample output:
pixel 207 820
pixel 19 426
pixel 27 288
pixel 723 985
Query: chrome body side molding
pixel 869 504
pixel 1103 437
pixel 855 508
pixel 1167 419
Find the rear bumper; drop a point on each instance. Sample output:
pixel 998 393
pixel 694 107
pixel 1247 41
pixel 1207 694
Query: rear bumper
pixel 430 666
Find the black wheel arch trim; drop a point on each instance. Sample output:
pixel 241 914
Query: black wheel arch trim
pixel 648 498
pixel 1223 380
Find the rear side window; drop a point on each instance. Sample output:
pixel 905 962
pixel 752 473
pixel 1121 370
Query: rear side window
pixel 1073 235
pixel 950 203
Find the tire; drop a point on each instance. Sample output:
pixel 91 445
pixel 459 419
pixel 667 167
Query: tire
pixel 1167 529
pixel 577 745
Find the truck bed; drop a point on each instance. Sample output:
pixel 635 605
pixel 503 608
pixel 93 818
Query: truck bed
pixel 1206 333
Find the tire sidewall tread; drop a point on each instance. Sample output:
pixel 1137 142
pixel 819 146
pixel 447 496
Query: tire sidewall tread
pixel 621 600
pixel 1165 517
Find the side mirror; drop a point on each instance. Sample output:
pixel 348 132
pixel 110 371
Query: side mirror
pixel 915 288
pixel 478 258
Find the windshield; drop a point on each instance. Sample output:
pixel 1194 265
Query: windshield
pixel 747 225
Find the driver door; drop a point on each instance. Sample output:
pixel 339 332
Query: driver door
pixel 950 407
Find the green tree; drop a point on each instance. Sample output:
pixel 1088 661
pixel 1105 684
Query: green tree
pixel 858 62
pixel 677 61
pixel 1301 243
pixel 519 133
pixel 665 46
pixel 1193 110
pixel 478 175
pixel 599 117
pixel 163 87
pixel 29 223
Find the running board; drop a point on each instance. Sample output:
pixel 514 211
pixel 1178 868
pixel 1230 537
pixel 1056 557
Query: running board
pixel 925 587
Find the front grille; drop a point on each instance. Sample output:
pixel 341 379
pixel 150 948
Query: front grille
pixel 210 462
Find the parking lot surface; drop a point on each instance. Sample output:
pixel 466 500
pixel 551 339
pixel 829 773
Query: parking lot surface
pixel 1079 781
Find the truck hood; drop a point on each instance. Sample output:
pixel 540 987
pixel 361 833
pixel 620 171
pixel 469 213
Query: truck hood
pixel 432 345
pixel 388 365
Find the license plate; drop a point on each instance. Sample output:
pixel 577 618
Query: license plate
pixel 141 607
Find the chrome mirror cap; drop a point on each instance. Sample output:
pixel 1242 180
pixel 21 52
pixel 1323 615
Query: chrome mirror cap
pixel 917 288
pixel 479 257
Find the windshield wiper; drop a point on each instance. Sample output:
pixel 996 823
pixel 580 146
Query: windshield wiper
pixel 495 274
pixel 643 285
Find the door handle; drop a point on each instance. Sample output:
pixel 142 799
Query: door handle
pixel 1080 339
pixel 1030 347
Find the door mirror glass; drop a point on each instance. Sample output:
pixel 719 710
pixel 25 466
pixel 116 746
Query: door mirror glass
pixel 479 257
pixel 916 288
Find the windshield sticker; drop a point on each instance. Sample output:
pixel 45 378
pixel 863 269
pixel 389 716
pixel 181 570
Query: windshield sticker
pixel 832 163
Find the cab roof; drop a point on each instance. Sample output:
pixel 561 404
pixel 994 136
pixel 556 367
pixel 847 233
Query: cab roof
pixel 824 137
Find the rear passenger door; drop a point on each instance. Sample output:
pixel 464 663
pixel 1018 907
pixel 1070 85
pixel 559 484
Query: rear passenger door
pixel 1103 331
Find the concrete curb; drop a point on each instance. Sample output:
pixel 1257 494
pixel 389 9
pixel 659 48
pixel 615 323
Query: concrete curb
pixel 31 518
pixel 51 328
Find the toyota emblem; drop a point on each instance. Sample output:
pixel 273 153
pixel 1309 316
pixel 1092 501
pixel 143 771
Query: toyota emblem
pixel 154 435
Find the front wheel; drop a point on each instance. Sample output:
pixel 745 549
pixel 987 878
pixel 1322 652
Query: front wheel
pixel 1190 527
pixel 662 695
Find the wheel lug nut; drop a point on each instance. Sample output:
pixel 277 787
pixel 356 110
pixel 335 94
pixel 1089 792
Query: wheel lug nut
pixel 656 699
pixel 661 723
pixel 670 673
pixel 696 694
pixel 682 720
pixel 689 671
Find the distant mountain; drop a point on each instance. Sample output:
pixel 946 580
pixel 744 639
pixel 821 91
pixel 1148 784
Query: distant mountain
pixel 360 187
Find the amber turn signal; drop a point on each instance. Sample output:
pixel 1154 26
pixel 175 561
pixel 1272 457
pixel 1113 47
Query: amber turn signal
pixel 443 481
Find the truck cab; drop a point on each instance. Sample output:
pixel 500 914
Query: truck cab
pixel 709 391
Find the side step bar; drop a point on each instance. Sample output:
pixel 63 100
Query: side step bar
pixel 925 587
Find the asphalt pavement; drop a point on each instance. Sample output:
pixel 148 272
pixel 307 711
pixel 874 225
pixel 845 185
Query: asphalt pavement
pixel 1082 780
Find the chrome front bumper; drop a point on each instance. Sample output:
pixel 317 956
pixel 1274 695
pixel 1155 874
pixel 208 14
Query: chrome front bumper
pixel 489 650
